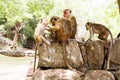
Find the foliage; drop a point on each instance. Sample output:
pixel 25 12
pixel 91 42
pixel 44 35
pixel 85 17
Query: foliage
pixel 28 29
pixel 37 9
pixel 24 12
pixel 103 11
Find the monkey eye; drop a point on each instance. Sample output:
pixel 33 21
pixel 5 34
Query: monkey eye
pixel 55 19
pixel 88 23
pixel 65 12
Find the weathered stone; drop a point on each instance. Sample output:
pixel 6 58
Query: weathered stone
pixel 53 56
pixel 85 66
pixel 95 54
pixel 13 53
pixel 117 74
pixel 56 74
pixel 4 42
pixel 115 54
pixel 29 53
pixel 99 75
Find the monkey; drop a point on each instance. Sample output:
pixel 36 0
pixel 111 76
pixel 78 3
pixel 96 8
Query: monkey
pixel 39 38
pixel 118 35
pixel 103 33
pixel 63 29
pixel 67 14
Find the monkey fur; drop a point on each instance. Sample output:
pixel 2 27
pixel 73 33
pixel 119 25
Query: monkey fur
pixel 63 29
pixel 103 33
pixel 74 26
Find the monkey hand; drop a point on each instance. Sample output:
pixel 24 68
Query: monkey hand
pixel 53 28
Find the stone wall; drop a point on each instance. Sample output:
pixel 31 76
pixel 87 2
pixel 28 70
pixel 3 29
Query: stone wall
pixel 85 58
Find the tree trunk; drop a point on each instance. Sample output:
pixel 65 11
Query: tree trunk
pixel 119 5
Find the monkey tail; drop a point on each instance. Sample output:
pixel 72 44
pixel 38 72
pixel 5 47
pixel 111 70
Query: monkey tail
pixel 111 45
pixel 35 57
pixel 65 60
pixel 65 57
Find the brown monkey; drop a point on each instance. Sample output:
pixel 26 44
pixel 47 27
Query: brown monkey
pixel 103 33
pixel 62 27
pixel 67 14
pixel 63 30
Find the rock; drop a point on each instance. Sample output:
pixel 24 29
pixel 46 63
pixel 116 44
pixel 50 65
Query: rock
pixel 29 53
pixel 95 54
pixel 117 74
pixel 13 53
pixel 56 74
pixel 19 52
pixel 53 57
pixel 4 42
pixel 115 54
pixel 99 75
pixel 85 66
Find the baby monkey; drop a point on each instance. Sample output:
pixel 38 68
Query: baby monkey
pixel 103 33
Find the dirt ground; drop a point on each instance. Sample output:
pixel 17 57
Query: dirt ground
pixel 14 68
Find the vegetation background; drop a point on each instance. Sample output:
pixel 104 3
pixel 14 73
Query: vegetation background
pixel 30 11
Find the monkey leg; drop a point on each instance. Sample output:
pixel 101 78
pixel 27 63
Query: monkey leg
pixel 108 59
pixel 103 36
pixel 35 57
pixel 87 41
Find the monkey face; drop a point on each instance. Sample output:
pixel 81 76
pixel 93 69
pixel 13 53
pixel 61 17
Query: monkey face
pixel 66 13
pixel 53 20
pixel 88 25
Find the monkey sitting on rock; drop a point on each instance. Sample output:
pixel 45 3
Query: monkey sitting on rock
pixel 63 29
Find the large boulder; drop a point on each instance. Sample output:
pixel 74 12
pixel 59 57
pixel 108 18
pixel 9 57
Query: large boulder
pixel 53 56
pixel 115 54
pixel 94 51
pixel 93 54
pixel 99 75
pixel 56 74
pixel 4 42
